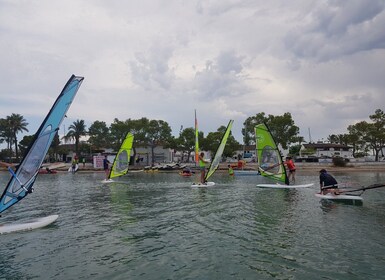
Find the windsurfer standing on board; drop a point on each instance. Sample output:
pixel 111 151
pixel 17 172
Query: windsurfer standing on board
pixel 290 165
pixel 202 167
pixel 328 184
pixel 106 162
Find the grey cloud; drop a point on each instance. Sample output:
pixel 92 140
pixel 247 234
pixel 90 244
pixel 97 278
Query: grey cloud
pixel 151 70
pixel 221 77
pixel 339 29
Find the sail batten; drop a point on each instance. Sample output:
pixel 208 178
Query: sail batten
pixel 21 182
pixel 218 155
pixel 122 158
pixel 270 163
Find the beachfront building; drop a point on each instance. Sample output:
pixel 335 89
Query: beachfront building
pixel 161 155
pixel 326 150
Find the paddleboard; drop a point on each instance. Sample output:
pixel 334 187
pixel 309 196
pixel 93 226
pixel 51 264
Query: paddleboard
pixel 30 225
pixel 76 168
pixel 338 196
pixel 199 185
pixel 279 186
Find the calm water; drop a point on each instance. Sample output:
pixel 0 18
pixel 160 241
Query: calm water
pixel 155 226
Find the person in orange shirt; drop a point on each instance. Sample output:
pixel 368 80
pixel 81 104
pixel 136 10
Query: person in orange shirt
pixel 290 165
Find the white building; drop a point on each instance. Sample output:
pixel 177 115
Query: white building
pixel 326 150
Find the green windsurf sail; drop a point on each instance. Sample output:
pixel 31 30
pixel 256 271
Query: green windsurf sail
pixel 218 155
pixel 270 162
pixel 196 140
pixel 122 159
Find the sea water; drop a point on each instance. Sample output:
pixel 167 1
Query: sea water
pixel 155 226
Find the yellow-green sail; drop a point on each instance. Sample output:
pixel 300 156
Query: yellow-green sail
pixel 122 159
pixel 218 155
pixel 270 162
pixel 196 140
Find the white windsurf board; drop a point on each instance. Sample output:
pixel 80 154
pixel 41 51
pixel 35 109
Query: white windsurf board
pixel 280 186
pixel 76 168
pixel 338 196
pixel 199 185
pixel 30 225
pixel 106 181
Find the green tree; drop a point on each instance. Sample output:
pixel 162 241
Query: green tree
pixel 5 134
pixel 119 130
pixel 16 123
pixel 158 132
pixel 213 140
pixel 282 128
pixel 75 131
pixel 54 149
pixel 378 132
pixel 25 143
pixel 99 135
pixel 357 134
pixel 185 142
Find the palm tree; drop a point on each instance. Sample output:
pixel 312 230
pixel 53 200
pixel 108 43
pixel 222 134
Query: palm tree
pixel 16 123
pixel 75 131
pixel 4 132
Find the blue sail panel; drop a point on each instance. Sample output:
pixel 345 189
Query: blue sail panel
pixel 24 177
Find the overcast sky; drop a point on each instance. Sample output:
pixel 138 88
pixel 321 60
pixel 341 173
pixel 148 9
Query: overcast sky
pixel 322 61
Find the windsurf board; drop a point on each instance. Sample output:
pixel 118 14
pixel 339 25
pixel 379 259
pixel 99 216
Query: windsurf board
pixel 76 168
pixel 338 196
pixel 280 186
pixel 30 225
pixel 199 185
pixel 106 181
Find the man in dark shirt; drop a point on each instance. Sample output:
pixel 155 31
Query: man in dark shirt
pixel 327 182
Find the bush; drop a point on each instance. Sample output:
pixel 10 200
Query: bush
pixel 338 161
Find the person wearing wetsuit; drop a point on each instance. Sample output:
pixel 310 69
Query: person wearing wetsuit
pixel 328 184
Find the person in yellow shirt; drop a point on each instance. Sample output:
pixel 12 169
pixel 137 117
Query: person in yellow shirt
pixel 231 170
pixel 202 167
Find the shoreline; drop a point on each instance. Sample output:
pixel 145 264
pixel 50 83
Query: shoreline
pixel 301 167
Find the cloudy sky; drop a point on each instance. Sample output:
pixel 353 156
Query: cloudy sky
pixel 322 61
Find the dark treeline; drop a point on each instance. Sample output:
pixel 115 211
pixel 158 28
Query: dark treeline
pixel 363 137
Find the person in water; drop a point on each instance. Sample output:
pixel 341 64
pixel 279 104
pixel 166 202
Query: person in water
pixel 231 170
pixel 202 167
pixel 290 165
pixel 328 184
pixel 186 171
pixel 73 165
pixel 106 163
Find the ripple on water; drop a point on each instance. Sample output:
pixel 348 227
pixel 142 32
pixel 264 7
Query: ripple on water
pixel 158 227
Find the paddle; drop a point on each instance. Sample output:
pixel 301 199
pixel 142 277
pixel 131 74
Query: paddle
pixel 374 186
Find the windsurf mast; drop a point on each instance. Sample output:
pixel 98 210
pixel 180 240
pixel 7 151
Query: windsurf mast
pixel 22 180
pixel 122 158
pixel 218 155
pixel 374 186
pixel 270 163
pixel 196 140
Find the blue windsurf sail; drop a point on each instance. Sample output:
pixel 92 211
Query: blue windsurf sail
pixel 22 180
